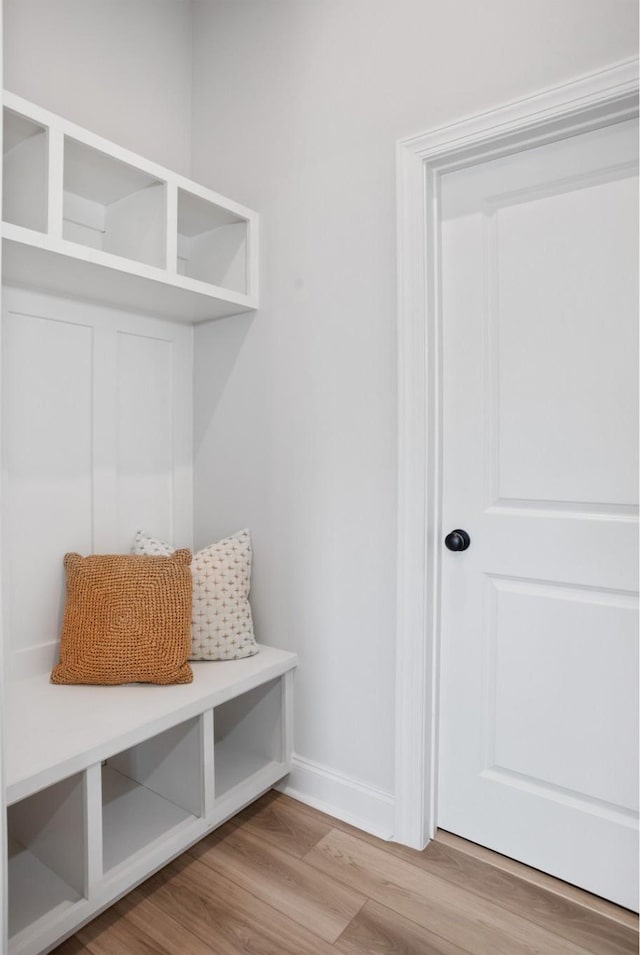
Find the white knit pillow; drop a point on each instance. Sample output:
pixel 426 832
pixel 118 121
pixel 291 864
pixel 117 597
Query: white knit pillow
pixel 221 626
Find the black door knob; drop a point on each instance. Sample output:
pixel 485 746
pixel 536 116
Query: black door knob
pixel 457 540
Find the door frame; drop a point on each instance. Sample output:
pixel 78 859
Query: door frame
pixel 599 99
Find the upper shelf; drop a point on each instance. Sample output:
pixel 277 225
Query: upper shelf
pixel 86 218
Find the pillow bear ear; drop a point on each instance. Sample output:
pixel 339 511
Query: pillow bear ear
pixel 72 560
pixel 145 546
pixel 182 556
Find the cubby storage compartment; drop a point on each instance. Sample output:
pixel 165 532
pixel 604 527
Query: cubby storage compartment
pixel 248 733
pixel 24 172
pixel 47 850
pixel 112 206
pixel 212 243
pixel 151 791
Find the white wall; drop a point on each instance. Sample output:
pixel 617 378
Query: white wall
pixel 297 105
pixel 88 455
pixel 121 68
pixel 296 110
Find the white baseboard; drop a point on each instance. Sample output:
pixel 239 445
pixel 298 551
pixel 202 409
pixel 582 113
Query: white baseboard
pixel 349 800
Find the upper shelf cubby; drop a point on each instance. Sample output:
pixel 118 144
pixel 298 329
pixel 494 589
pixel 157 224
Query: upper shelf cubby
pixel 24 172
pixel 212 242
pixel 113 206
pixel 87 219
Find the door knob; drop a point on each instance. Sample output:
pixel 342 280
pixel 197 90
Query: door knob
pixel 457 540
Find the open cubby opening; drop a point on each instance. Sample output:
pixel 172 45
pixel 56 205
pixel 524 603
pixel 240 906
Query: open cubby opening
pixel 248 735
pixel 212 243
pixel 46 853
pixel 150 790
pixel 112 206
pixel 24 172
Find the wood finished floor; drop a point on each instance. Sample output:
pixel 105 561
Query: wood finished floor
pixel 283 879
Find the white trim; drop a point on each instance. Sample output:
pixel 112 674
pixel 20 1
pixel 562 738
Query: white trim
pixel 596 100
pixel 341 796
pixel 4 881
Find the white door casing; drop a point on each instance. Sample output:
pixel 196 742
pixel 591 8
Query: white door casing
pixel 587 104
pixel 4 913
pixel 538 739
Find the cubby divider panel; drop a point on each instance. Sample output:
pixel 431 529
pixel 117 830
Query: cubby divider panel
pixel 150 790
pixel 47 853
pixel 248 733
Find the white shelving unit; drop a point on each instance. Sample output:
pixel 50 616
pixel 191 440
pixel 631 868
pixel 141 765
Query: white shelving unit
pixel 107 784
pixel 106 257
pixel 81 212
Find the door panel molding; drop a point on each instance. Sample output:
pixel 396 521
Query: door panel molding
pixel 598 807
pixel 600 99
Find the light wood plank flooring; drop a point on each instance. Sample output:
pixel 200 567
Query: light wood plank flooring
pixel 283 879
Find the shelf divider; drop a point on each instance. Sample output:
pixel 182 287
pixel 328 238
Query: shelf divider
pixel 172 227
pixel 56 183
pixel 93 829
pixel 208 764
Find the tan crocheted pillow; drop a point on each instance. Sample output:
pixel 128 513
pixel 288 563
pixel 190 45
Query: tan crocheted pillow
pixel 127 620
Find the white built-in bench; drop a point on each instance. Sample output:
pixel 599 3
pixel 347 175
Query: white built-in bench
pixel 107 260
pixel 107 784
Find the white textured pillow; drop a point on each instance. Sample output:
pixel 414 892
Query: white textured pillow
pixel 221 626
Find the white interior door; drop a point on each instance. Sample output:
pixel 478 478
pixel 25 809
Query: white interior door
pixel 539 661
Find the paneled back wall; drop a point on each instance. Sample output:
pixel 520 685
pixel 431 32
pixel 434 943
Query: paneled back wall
pixel 97 442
